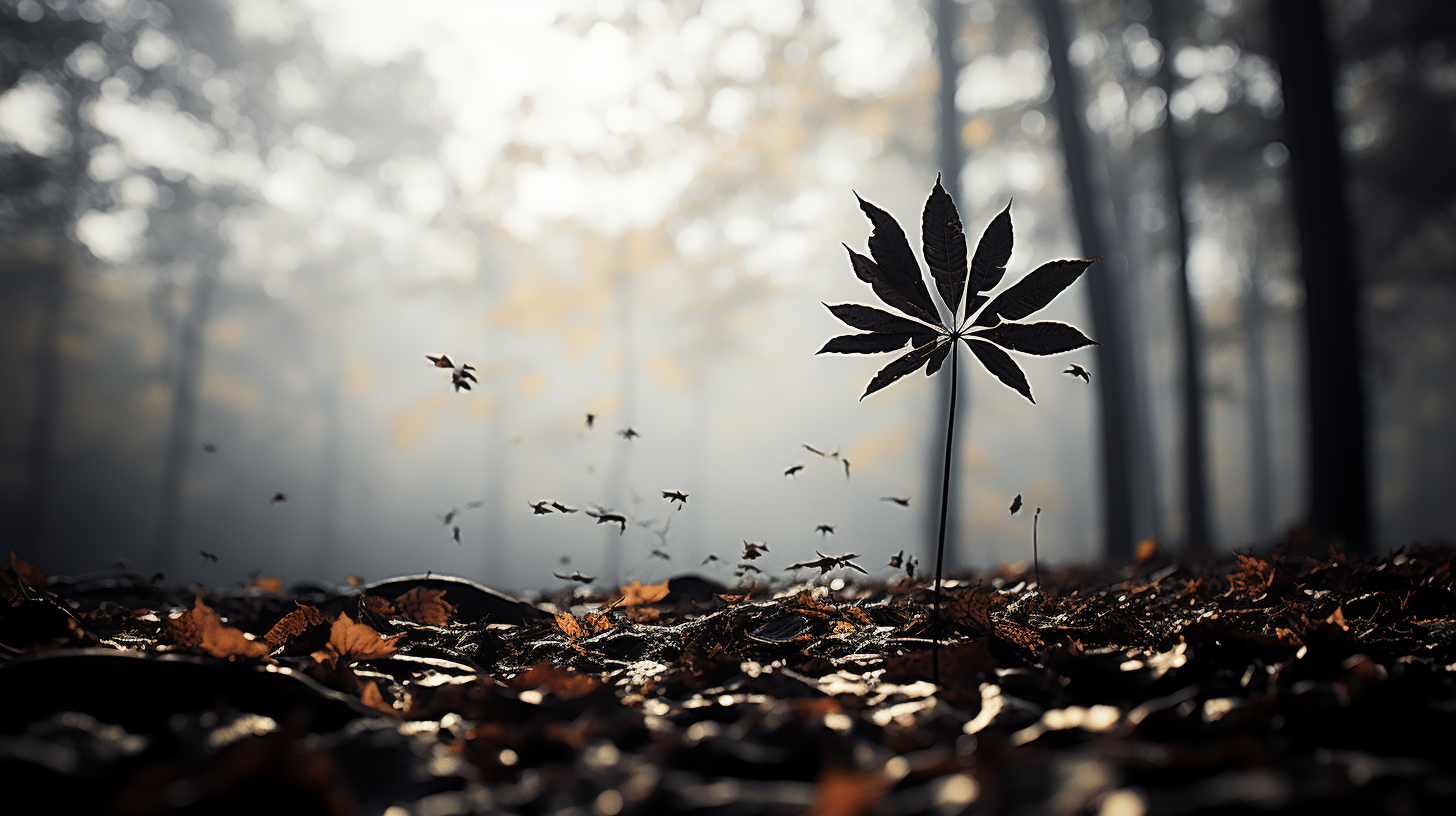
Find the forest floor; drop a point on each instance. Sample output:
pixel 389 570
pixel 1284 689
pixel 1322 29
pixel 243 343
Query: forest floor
pixel 1286 681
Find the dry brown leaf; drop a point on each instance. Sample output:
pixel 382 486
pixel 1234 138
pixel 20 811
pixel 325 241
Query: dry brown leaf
pixel 355 641
pixel 24 572
pixel 1147 550
pixel 427 606
pixel 369 695
pixel 569 626
pixel 268 583
pixel 200 630
pixel 378 606
pixel 637 593
pixel 304 622
pixel 847 792
pixel 599 621
pixel 563 683
pixel 969 609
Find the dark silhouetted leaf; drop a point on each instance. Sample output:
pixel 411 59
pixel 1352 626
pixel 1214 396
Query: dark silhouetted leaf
pixel 1032 292
pixel 871 343
pixel 992 253
pixel 944 244
pixel 908 363
pixel 1000 363
pixel 868 318
pixel 937 357
pixel 898 269
pixel 1037 338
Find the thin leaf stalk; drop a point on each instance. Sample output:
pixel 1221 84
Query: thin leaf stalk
pixel 944 512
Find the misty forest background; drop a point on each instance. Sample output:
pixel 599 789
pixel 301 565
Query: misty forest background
pixel 230 232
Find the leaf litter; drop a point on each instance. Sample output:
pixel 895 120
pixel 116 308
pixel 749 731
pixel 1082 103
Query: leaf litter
pixel 1281 681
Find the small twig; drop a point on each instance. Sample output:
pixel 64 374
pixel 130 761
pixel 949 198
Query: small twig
pixel 1035 562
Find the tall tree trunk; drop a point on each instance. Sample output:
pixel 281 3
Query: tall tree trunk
pixel 1261 476
pixel 191 345
pixel 1114 375
pixel 1337 465
pixel 625 309
pixel 45 402
pixel 1195 467
pixel 950 158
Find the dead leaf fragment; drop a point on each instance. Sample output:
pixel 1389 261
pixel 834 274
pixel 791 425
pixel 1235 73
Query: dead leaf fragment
pixel 569 626
pixel 427 606
pixel 200 630
pixel 349 641
pixel 637 593
pixel 303 624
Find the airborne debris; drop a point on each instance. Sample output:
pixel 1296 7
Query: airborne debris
pixel 540 508
pixel 896 500
pixel 825 529
pixel 825 563
pixel 1078 371
pixel 753 549
pixel 608 517
pixel 575 576
pixel 1015 504
pixel 676 496
pixel 628 434
pixel 279 498
pixel 793 471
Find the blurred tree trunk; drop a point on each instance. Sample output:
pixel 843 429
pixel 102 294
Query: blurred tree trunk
pixel 1261 476
pixel 45 401
pixel 1337 465
pixel 191 345
pixel 1195 468
pixel 950 158
pixel 1113 378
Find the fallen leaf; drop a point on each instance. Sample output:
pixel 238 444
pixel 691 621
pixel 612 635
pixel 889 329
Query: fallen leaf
pixel 637 593
pixel 427 606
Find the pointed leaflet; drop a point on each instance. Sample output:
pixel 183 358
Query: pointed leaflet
pixel 992 253
pixel 1037 338
pixel 945 247
pixel 1033 291
pixel 868 318
pixel 871 343
pixel 900 366
pixel 1000 363
pixel 937 359
pixel 897 266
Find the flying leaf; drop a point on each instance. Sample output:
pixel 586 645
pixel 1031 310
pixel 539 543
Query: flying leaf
pixel 1032 292
pixel 1000 363
pixel 992 253
pixel 1037 338
pixel 944 244
pixel 908 363
pixel 637 593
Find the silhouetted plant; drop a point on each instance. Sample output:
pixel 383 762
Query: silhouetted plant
pixel 895 276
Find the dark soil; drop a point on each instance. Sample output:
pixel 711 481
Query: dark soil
pixel 1282 682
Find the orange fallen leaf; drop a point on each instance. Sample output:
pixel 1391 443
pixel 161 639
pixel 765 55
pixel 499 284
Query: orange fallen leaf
pixel 563 683
pixel 569 626
pixel 304 622
pixel 268 583
pixel 427 606
pixel 199 629
pixel 637 593
pixel 350 641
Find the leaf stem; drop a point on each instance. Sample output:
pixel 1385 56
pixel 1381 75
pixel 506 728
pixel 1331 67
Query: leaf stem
pixel 944 509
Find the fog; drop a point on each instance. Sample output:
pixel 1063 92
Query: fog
pixel 234 231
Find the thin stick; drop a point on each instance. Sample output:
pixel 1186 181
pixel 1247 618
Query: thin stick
pixel 944 508
pixel 1035 562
